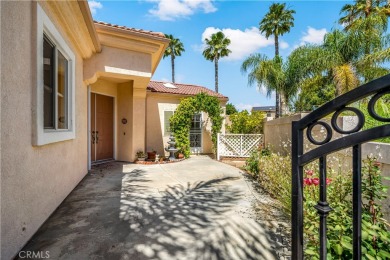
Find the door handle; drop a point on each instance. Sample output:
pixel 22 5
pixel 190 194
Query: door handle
pixel 93 137
pixel 97 136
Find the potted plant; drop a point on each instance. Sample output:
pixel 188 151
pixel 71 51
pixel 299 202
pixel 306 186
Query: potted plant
pixel 152 156
pixel 179 154
pixel 140 156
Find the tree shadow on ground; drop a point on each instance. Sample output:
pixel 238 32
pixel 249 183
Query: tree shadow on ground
pixel 192 221
pixel 115 214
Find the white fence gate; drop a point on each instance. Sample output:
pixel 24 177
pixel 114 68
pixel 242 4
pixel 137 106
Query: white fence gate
pixel 238 145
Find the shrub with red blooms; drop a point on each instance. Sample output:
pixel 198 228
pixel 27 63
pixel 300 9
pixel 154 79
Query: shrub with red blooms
pixel 274 175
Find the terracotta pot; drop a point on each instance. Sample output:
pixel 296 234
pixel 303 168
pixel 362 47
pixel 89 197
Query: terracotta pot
pixel 152 156
pixel 180 156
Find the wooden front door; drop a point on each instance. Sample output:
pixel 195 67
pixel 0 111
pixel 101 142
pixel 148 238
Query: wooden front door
pixel 102 127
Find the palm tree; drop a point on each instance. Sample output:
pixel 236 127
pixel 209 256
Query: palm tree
pixel 362 9
pixel 277 22
pixel 273 74
pixel 340 60
pixel 216 48
pixel 175 48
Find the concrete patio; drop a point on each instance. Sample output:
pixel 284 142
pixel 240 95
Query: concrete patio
pixel 195 209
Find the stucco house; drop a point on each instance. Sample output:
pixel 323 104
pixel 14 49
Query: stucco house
pixel 73 91
pixel 269 110
pixel 162 99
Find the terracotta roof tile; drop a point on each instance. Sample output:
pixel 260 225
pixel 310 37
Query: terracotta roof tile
pixel 156 34
pixel 181 89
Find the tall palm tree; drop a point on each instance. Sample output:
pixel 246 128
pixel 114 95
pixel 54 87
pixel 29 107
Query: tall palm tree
pixel 277 22
pixel 175 48
pixel 216 48
pixel 273 74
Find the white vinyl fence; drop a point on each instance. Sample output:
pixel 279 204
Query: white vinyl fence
pixel 238 145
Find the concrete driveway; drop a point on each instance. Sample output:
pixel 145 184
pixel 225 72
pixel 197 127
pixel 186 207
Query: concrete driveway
pixel 195 209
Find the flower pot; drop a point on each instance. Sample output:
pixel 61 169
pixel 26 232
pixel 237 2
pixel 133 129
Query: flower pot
pixel 152 156
pixel 141 159
pixel 180 156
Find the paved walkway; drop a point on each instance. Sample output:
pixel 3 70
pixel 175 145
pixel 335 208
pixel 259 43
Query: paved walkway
pixel 194 209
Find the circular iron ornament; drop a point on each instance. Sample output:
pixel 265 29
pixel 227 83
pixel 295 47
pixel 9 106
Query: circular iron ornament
pixel 371 107
pixel 124 121
pixel 328 133
pixel 359 125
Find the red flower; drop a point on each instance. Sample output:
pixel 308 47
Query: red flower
pixel 309 172
pixel 307 181
pixel 328 181
pixel 377 164
pixel 316 181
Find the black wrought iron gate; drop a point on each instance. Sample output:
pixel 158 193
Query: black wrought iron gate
pixel 352 138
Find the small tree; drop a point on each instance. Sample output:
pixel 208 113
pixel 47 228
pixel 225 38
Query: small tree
pixel 245 123
pixel 230 109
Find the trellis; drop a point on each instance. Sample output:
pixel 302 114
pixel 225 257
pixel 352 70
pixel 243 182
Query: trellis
pixel 238 145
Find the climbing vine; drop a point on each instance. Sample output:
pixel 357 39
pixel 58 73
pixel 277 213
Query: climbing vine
pixel 181 119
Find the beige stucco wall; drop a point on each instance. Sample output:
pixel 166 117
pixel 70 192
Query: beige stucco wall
pixel 124 132
pixel 118 63
pixel 156 104
pixel 34 180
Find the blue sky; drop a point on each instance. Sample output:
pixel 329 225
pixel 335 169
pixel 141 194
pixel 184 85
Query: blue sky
pixel 193 21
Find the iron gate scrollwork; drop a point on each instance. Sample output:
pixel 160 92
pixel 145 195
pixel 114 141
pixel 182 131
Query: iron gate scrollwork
pixel 351 138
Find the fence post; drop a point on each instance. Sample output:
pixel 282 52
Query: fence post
pixel 218 146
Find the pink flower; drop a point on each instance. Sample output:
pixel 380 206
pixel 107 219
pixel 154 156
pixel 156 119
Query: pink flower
pixel 309 172
pixel 316 181
pixel 328 181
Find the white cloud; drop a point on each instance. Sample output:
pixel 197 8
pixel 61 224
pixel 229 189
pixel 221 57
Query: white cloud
pixel 169 10
pixel 313 36
pixel 243 43
pixel 94 5
pixel 283 45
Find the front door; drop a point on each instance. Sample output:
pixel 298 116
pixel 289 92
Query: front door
pixel 196 134
pixel 102 127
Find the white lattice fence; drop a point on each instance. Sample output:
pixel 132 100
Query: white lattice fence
pixel 238 145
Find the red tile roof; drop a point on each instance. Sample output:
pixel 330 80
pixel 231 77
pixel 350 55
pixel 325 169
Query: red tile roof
pixel 182 89
pixel 156 34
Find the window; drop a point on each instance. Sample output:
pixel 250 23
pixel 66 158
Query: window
pixel 55 100
pixel 167 125
pixel 55 80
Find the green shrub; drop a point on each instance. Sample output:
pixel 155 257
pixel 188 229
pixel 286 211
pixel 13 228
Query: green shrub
pixel 252 163
pixel 245 123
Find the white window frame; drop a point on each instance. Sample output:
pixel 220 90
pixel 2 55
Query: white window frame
pixel 44 136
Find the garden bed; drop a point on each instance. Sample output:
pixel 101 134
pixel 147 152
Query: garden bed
pixel 159 162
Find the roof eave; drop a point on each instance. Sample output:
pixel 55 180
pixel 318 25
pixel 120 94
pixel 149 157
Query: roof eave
pixel 86 12
pixel 135 41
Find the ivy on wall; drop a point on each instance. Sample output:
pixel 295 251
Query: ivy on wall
pixel 181 119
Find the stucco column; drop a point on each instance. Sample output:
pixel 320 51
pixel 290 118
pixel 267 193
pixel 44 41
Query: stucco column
pixel 139 118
